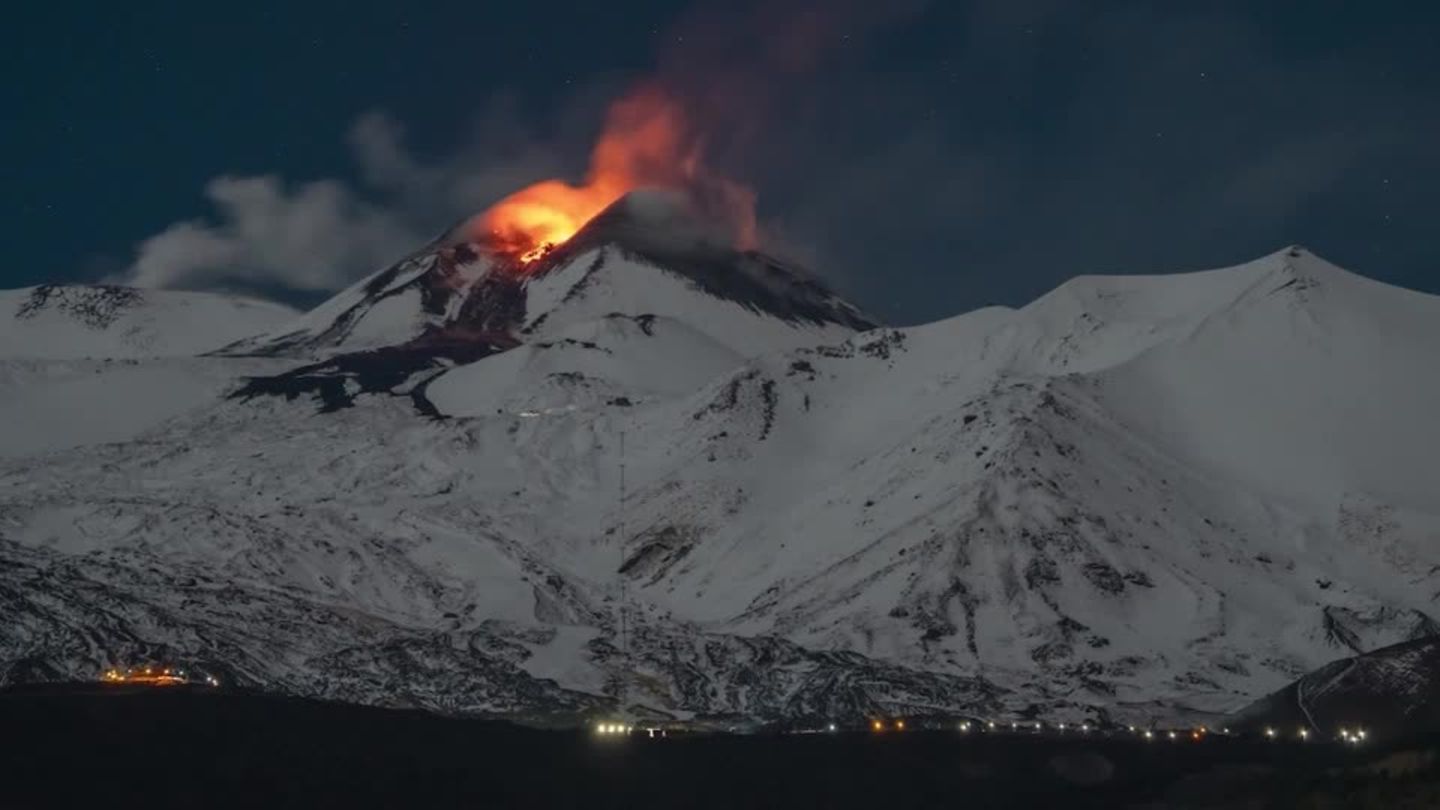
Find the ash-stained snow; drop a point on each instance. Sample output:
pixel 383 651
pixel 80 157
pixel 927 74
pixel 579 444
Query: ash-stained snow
pixel 1140 494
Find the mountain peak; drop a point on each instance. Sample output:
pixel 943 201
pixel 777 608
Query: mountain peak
pixel 673 233
pixel 648 256
pixel 651 253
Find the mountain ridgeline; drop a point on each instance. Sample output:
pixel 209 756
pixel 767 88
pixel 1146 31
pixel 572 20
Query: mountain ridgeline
pixel 1136 497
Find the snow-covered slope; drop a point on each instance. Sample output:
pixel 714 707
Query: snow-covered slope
pixel 1137 494
pixel 56 321
pixel 82 364
pixel 1391 693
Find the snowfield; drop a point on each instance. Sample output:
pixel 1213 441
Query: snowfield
pixel 63 322
pixel 1137 496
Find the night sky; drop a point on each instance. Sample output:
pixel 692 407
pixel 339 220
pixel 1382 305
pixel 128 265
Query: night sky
pixel 924 158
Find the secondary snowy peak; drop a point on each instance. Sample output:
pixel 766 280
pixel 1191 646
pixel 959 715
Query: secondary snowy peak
pixel 67 321
pixel 1309 383
pixel 643 257
pixel 1096 322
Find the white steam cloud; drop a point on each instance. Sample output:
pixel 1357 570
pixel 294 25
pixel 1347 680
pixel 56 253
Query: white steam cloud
pixel 324 234
pixel 313 237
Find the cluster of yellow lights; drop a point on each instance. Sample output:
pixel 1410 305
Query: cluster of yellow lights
pixel 151 676
pixel 613 728
pixel 1352 736
pixel 1196 734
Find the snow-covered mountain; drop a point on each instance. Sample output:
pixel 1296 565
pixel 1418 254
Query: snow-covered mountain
pixel 626 260
pixel 68 321
pixel 1137 494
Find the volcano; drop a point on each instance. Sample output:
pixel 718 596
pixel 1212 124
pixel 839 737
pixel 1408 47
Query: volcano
pixel 646 254
pixel 1138 497
pixel 648 257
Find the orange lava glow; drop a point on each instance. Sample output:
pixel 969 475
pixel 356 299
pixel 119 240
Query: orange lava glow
pixel 646 143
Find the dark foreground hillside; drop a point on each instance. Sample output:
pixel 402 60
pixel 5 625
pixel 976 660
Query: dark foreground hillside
pixel 88 747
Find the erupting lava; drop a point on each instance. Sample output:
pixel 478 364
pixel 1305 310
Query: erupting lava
pixel 647 142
